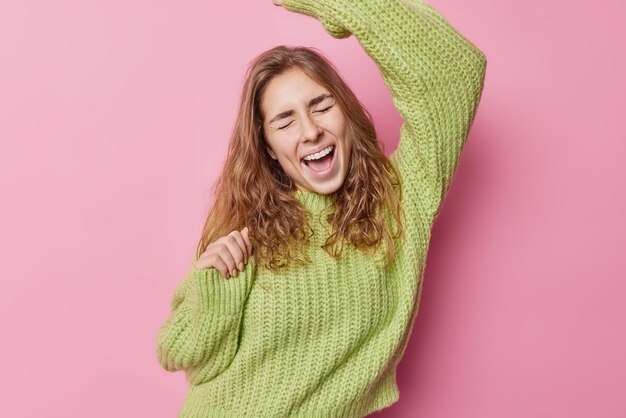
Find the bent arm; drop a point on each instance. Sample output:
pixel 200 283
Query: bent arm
pixel 435 76
pixel 201 334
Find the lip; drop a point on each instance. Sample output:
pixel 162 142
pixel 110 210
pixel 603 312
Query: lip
pixel 321 174
pixel 316 150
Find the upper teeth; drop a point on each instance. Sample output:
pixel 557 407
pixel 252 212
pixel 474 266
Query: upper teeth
pixel 320 154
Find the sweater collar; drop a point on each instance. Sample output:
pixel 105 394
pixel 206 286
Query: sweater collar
pixel 313 201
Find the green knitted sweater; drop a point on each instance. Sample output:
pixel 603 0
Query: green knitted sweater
pixel 324 340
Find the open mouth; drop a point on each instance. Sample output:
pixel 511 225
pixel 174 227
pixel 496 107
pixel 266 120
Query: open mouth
pixel 322 165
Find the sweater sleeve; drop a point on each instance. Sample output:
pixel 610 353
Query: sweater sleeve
pixel 434 74
pixel 201 334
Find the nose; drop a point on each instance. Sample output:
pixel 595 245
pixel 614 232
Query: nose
pixel 310 129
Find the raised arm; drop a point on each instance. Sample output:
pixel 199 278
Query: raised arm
pixel 435 76
pixel 201 334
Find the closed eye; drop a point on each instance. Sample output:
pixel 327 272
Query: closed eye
pixel 324 110
pixel 283 127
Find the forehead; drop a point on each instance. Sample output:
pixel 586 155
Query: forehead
pixel 290 89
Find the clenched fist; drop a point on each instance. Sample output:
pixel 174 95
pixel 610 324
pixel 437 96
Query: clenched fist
pixel 227 254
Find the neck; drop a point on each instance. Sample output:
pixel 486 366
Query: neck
pixel 313 201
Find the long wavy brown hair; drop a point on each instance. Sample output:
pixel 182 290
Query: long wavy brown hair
pixel 254 191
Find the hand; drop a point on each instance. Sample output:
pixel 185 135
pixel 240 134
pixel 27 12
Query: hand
pixel 277 2
pixel 227 254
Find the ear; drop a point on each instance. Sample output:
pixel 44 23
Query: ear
pixel 267 145
pixel 271 152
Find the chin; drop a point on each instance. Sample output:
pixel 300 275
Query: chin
pixel 328 187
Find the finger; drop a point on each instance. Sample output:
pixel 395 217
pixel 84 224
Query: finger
pixel 246 236
pixel 242 246
pixel 244 243
pixel 235 244
pixel 213 260
pixel 231 253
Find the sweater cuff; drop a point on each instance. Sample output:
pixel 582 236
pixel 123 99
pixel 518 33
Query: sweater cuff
pixel 217 296
pixel 323 10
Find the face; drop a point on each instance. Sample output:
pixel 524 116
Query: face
pixel 303 119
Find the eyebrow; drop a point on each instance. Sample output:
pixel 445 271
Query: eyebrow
pixel 311 103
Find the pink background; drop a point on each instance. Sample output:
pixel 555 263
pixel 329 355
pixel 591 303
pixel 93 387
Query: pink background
pixel 114 122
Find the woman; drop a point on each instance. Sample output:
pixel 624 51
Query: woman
pixel 286 311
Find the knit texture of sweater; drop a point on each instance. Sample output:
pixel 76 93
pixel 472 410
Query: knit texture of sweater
pixel 324 339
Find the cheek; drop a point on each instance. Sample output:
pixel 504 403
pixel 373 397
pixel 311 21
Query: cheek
pixel 338 120
pixel 286 151
pixel 342 132
pixel 341 128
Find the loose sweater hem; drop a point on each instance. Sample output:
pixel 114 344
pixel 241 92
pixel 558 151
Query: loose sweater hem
pixel 385 395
